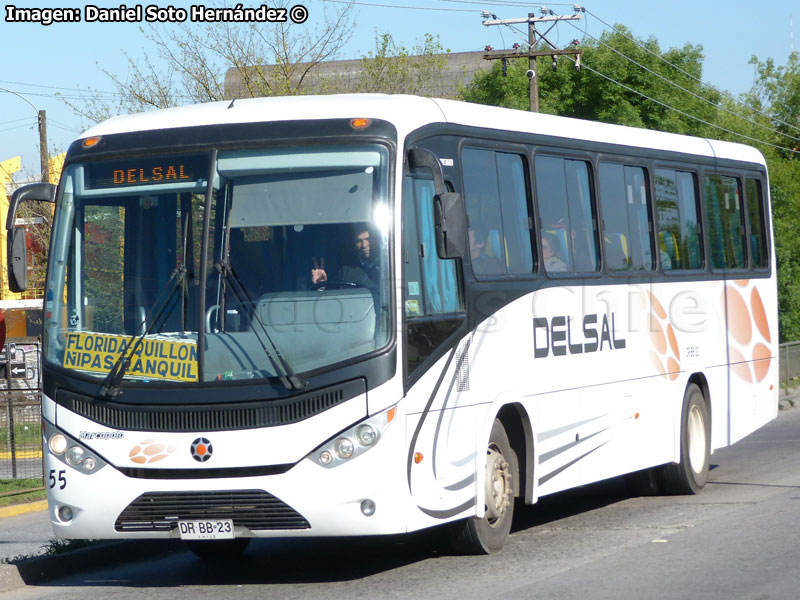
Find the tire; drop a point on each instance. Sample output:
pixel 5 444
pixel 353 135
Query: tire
pixel 488 533
pixel 689 476
pixel 218 549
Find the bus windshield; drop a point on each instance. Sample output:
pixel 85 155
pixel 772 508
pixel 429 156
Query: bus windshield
pixel 296 264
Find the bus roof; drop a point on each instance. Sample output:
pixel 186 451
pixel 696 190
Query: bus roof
pixel 411 112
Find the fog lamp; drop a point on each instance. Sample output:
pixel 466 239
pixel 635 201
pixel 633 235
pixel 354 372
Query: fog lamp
pixel 325 457
pixel 89 464
pixel 367 508
pixel 64 513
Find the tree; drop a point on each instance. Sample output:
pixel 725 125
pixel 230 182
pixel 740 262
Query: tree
pixel 187 62
pixel 394 69
pixel 586 94
pixel 776 92
pixel 774 100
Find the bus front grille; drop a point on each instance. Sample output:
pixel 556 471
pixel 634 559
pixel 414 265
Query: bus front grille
pixel 217 417
pixel 254 509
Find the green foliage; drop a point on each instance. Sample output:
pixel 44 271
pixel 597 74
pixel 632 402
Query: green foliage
pixel 777 93
pixel 394 69
pixel 584 94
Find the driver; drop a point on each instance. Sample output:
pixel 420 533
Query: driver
pixel 365 268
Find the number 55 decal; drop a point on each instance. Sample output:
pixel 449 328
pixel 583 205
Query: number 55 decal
pixel 62 479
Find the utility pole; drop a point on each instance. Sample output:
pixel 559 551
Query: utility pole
pixel 42 121
pixel 44 155
pixel 533 54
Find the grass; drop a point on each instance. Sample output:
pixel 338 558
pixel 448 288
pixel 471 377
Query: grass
pixel 24 434
pixel 12 491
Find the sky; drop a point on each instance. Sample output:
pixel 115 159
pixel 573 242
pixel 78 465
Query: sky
pixel 46 64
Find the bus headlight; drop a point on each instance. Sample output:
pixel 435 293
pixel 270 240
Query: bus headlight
pixel 70 451
pixel 344 448
pixel 366 435
pixel 57 444
pixel 354 441
pixel 75 455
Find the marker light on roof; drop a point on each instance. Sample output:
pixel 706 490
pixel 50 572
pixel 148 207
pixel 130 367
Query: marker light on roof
pixel 91 142
pixel 360 123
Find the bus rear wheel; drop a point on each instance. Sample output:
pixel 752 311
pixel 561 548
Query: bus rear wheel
pixel 488 533
pixel 218 549
pixel 689 476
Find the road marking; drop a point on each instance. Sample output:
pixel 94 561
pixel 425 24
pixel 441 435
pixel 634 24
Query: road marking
pixel 19 509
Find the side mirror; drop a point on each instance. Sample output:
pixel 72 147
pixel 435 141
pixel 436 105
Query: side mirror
pixel 17 260
pixel 449 214
pixel 15 236
pixel 43 192
pixel 450 221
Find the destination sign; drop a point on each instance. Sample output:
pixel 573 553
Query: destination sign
pixel 146 171
pixel 152 359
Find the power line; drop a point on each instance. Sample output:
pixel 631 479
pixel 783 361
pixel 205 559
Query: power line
pixel 667 106
pixel 685 114
pixel 376 4
pixel 32 124
pixel 677 68
pixel 690 92
pixel 15 120
pixel 52 87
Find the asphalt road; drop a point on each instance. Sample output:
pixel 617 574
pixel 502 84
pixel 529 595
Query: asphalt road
pixel 25 535
pixel 738 539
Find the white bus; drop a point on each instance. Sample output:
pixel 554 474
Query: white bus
pixel 363 315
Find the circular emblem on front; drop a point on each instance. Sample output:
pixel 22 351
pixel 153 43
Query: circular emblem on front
pixel 201 449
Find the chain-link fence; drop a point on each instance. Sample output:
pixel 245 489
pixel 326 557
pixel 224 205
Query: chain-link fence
pixel 21 410
pixel 789 361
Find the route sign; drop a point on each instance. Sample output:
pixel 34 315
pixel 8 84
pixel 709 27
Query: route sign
pixel 16 370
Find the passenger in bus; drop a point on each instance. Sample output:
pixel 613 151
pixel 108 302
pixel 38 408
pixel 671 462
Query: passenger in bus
pixel 482 264
pixel 551 251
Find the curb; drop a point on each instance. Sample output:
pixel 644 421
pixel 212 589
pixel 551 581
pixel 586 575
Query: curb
pixel 19 509
pixel 40 569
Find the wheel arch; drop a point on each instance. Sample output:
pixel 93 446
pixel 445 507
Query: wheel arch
pixel 517 423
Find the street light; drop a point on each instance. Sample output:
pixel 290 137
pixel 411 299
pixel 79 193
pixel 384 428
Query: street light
pixel 42 120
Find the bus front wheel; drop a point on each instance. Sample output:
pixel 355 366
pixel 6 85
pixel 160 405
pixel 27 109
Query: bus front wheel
pixel 488 533
pixel 689 476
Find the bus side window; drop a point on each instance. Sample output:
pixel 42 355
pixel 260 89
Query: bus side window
pixel 566 208
pixel 496 197
pixel 626 223
pixel 725 222
pixel 758 228
pixel 679 232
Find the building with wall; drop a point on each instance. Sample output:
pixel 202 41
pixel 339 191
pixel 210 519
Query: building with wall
pixel 343 76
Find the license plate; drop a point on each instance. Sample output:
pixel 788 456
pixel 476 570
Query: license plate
pixel 210 529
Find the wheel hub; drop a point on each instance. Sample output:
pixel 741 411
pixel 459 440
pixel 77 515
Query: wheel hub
pixel 696 432
pixel 498 485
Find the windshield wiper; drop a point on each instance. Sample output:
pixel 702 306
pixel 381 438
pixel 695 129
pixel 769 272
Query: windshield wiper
pixel 111 390
pixel 285 372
